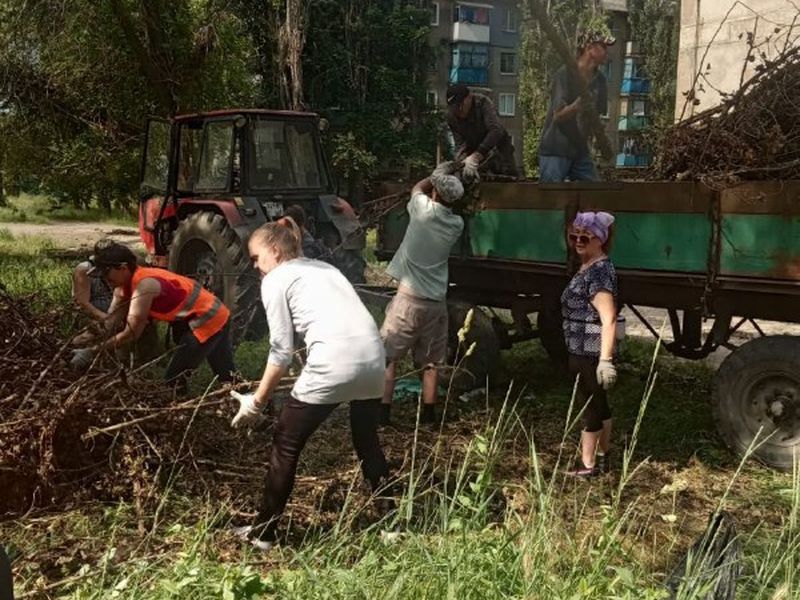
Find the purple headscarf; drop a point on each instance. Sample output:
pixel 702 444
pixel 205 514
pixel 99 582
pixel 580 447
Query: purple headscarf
pixel 596 222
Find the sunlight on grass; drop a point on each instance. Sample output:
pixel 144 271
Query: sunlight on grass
pixel 32 208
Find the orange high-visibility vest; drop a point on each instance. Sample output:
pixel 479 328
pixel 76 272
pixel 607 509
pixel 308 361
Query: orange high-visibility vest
pixel 202 310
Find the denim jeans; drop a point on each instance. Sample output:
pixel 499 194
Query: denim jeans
pixel 560 168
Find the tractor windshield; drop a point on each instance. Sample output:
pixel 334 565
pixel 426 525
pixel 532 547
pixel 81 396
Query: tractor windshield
pixel 286 155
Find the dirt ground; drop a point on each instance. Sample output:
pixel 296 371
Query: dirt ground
pixel 77 235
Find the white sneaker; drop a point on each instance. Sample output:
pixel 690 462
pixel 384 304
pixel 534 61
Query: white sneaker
pixel 243 533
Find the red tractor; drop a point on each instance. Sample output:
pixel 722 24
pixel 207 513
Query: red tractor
pixel 210 179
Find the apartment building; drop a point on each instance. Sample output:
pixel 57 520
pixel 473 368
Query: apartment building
pixel 713 41
pixel 477 44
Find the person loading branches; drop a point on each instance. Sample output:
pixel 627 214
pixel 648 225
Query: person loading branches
pixel 143 293
pixel 589 309
pixel 310 300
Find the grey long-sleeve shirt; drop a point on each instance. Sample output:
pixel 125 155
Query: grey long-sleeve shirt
pixel 313 300
pixel 568 138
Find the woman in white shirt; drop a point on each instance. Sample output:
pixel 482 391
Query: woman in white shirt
pixel 312 301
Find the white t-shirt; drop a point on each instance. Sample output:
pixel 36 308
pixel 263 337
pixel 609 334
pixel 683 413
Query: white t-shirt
pixel 420 262
pixel 313 300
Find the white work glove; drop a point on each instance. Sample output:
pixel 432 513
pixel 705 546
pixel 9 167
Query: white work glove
pixel 606 373
pixel 471 165
pixel 249 414
pixel 81 359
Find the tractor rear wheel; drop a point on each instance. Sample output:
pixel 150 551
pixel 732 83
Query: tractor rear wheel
pixel 206 248
pixel 757 388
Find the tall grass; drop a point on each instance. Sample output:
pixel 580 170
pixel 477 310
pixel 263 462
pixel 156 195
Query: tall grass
pixel 461 530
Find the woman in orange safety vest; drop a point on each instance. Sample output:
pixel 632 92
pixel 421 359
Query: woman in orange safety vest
pixel 151 293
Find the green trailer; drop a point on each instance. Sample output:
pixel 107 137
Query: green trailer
pixel 727 257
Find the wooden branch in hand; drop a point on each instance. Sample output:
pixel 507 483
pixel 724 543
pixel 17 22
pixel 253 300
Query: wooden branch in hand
pixel 589 112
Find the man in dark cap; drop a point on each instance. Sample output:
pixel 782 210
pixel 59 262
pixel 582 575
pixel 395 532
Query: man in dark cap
pixel 564 146
pixel 477 130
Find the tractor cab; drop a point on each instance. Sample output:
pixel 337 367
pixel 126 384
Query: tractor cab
pixel 208 180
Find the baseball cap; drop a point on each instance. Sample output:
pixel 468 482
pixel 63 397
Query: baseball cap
pixel 456 93
pixel 587 38
pixel 108 253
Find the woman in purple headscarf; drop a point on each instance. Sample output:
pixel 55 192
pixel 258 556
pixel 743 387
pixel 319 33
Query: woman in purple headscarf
pixel 589 308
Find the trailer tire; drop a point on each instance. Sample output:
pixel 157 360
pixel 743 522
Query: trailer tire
pixel 471 372
pixel 758 385
pixel 206 248
pixel 551 332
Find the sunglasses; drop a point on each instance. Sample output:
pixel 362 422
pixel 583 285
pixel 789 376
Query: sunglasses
pixel 580 238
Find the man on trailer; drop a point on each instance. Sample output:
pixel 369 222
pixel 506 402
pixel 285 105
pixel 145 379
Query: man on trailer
pixel 564 153
pixel 477 130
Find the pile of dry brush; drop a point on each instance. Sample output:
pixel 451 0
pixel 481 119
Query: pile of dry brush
pixel 110 433
pixel 754 134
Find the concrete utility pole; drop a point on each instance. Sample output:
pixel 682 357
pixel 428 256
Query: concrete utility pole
pixel 589 114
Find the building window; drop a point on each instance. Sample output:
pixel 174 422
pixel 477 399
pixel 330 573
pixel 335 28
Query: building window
pixel 464 13
pixel 511 23
pixel 639 108
pixel 507 105
pixel 432 98
pixel 508 63
pixel 470 64
pixel 434 13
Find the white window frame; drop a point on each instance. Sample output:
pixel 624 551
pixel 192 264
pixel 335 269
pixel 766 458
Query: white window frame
pixel 511 24
pixel 500 107
pixel 435 21
pixel 514 72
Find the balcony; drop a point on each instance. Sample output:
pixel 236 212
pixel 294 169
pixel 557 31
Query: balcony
pixel 469 75
pixel 633 123
pixel 471 32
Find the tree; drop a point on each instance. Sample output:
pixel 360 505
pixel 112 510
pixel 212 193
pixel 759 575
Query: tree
pixel 79 79
pixel 654 29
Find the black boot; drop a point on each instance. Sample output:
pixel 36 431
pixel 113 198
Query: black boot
pixel 428 416
pixel 385 417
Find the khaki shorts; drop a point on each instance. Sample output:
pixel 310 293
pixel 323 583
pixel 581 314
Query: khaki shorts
pixel 415 324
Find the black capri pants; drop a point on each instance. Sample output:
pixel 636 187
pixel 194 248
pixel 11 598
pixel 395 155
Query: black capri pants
pixel 589 389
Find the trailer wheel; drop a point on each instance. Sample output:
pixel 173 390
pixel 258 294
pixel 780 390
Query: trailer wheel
pixel 207 249
pixel 551 332
pixel 471 371
pixel 758 387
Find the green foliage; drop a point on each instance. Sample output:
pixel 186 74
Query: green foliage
pixel 655 30
pixel 79 81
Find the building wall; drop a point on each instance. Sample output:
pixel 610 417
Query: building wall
pixel 720 27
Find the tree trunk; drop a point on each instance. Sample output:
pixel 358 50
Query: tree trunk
pixel 2 191
pixel 291 41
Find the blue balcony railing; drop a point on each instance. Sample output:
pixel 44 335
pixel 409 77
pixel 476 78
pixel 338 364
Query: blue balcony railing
pixel 469 75
pixel 635 85
pixel 634 160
